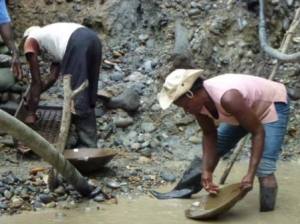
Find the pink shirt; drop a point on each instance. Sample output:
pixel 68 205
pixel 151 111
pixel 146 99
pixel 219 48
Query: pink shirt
pixel 259 94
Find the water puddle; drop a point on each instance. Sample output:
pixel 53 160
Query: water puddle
pixel 148 210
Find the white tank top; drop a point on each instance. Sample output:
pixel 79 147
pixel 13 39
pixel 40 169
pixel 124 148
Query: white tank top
pixel 53 39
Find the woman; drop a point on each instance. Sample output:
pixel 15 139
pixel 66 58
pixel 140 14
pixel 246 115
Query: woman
pixel 241 104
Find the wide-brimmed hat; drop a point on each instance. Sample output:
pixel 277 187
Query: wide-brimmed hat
pixel 176 84
pixel 26 33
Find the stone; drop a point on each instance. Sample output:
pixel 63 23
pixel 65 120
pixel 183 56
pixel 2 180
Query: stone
pixel 7 194
pixel 99 198
pixel 3 205
pixel 7 79
pixel 16 202
pixel 195 139
pixel 194 12
pixel 60 190
pixel 143 37
pixel 135 77
pixel 129 100
pixel 117 76
pixel 167 176
pixel 147 66
pixel 49 2
pixel 290 2
pixel 51 205
pixel 147 152
pixel 148 127
pixel 123 122
pixel 135 146
pixel 5 60
pixel 45 198
pixel 112 184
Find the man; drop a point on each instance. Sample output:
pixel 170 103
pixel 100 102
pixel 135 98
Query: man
pixel 241 104
pixel 7 36
pixel 72 49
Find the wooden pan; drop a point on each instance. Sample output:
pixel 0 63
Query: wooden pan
pixel 88 160
pixel 209 207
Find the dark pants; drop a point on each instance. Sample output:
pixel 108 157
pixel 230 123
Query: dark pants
pixel 82 60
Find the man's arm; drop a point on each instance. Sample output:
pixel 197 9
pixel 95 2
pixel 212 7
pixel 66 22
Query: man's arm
pixel 234 103
pixel 7 36
pixel 35 87
pixel 210 156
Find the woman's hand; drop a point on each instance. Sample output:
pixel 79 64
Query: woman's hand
pixel 247 183
pixel 208 184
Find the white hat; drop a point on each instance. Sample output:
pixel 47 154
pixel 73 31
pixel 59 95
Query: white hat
pixel 176 84
pixel 29 30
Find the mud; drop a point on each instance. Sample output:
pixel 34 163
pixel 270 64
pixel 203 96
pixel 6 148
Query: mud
pixel 146 210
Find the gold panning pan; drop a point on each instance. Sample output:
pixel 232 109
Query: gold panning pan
pixel 88 160
pixel 209 206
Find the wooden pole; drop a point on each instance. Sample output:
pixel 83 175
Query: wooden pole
pixel 69 96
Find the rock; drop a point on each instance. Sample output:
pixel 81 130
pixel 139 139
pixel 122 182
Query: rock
pixel 145 144
pixel 135 77
pixel 123 122
pixel 99 198
pixel 147 152
pixel 60 190
pixel 49 2
pixel 290 2
pixel 143 38
pixel 182 53
pixel 167 176
pixel 194 12
pixel 117 76
pixel 275 2
pixel 148 127
pixel 195 139
pixel 135 146
pixel 37 204
pixel 77 7
pixel 5 60
pixel 16 202
pixel 7 194
pixel 24 193
pixel 112 183
pixel 3 205
pixel 147 66
pixel 219 25
pixel 46 198
pixel 51 205
pixel 129 100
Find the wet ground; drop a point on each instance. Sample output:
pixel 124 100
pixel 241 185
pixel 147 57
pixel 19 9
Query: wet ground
pixel 146 210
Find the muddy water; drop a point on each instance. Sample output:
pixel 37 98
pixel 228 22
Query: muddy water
pixel 147 210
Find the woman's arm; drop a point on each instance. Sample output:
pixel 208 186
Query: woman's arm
pixel 210 156
pixel 234 103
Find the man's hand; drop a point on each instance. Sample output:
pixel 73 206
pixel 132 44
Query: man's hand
pixel 208 185
pixel 247 183
pixel 30 118
pixel 16 66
